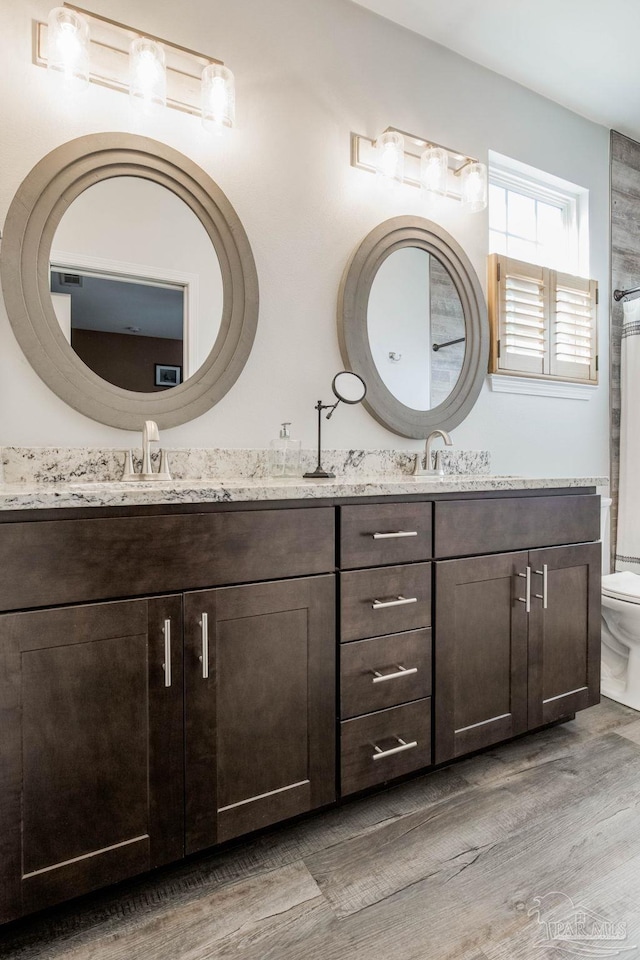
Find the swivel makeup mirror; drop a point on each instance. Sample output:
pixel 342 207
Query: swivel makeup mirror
pixel 349 388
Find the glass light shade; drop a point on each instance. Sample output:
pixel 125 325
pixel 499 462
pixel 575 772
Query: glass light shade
pixel 68 47
pixel 218 97
pixel 147 75
pixel 474 187
pixel 434 167
pixel 390 156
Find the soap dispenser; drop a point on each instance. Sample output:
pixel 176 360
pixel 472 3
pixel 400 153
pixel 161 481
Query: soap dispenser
pixel 284 454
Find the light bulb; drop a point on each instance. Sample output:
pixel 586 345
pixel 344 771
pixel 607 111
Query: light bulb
pixel 218 97
pixel 474 187
pixel 434 166
pixel 147 75
pixel 68 47
pixel 390 156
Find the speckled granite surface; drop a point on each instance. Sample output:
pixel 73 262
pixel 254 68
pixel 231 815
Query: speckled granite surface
pixel 58 464
pixel 117 494
pixel 43 477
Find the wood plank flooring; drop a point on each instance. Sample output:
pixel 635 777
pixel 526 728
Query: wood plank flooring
pixel 449 865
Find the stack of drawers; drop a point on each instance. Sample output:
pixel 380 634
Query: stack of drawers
pixel 385 648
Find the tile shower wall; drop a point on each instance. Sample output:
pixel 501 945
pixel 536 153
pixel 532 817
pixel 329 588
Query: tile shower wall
pixel 625 273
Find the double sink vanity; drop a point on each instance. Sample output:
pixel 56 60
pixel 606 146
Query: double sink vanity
pixel 182 663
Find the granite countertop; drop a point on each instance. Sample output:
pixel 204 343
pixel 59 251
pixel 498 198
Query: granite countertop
pixel 96 493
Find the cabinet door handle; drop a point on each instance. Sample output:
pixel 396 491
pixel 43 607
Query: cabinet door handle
pixel 394 536
pixel 380 754
pixel 542 596
pixel 204 658
pixel 166 666
pixel 401 672
pixel 527 595
pixel 399 602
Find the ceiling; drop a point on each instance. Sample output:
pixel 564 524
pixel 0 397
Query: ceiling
pixel 584 54
pixel 111 305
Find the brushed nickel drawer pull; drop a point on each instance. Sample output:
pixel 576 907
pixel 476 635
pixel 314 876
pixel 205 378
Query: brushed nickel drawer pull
pixel 403 745
pixel 396 535
pixel 166 666
pixel 401 672
pixel 542 596
pixel 527 596
pixel 399 602
pixel 204 659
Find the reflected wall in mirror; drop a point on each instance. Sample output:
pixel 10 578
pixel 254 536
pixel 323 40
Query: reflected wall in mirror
pixel 156 237
pixel 416 328
pixel 412 321
pixel 135 282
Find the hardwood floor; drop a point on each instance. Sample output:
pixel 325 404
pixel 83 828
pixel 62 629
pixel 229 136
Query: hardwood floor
pixel 448 865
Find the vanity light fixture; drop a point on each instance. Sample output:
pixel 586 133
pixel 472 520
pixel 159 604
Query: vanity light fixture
pixel 473 177
pixel 68 47
pixel 83 47
pixel 218 97
pixel 147 75
pixel 390 156
pixel 437 169
pixel 434 167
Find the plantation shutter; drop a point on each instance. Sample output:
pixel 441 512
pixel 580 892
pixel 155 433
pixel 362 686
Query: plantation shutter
pixel 543 323
pixel 572 327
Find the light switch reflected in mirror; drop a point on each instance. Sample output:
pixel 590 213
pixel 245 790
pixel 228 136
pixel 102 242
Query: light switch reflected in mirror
pixel 416 328
pixel 136 284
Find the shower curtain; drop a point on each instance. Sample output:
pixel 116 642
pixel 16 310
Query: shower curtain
pixel 628 539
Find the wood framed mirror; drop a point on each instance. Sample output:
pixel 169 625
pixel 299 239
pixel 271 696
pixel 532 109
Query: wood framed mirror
pixel 412 322
pixel 107 189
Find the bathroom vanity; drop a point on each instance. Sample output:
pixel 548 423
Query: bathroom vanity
pixel 175 674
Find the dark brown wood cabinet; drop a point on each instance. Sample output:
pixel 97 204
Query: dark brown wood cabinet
pixel 564 631
pixel 91 750
pixel 134 731
pixel 517 644
pixel 480 683
pixel 156 702
pixel 260 705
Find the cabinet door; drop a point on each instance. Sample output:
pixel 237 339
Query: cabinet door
pixel 564 636
pixel 480 653
pixel 91 754
pixel 260 705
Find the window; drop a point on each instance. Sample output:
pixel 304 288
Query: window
pixel 536 217
pixel 542 308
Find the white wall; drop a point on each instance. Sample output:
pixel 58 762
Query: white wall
pixel 309 72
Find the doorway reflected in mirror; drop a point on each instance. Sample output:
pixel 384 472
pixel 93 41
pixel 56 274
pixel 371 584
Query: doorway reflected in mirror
pixel 123 329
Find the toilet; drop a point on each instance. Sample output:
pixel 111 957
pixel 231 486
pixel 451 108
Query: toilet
pixel 620 628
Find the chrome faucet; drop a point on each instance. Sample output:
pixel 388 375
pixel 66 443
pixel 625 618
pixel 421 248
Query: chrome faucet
pixel 428 470
pixel 150 434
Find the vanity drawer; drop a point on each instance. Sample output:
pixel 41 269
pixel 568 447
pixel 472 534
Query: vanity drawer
pixel 385 745
pixel 467 527
pixel 385 671
pixel 47 563
pixel 385 533
pixel 384 600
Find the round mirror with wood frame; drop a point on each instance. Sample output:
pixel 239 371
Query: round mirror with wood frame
pixel 353 326
pixel 32 220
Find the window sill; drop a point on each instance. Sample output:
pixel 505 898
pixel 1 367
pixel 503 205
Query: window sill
pixel 539 387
